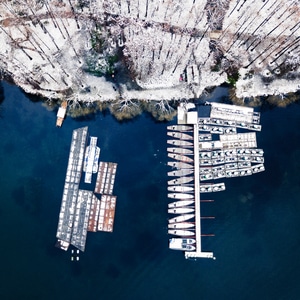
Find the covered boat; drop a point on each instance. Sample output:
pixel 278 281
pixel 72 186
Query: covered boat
pixel 180 150
pixel 181 210
pixel 182 225
pixel 180 127
pixel 181 232
pixel 179 165
pixel 180 188
pixel 180 157
pixel 181 218
pixel 180 196
pixel 179 135
pixel 181 203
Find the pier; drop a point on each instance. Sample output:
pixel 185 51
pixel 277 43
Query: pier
pixel 206 149
pixel 81 210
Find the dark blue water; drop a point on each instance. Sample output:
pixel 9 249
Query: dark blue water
pixel 257 223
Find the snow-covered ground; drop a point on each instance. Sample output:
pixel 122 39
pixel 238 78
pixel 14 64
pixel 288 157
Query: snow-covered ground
pixel 170 47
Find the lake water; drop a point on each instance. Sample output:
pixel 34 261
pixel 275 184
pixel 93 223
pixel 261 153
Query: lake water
pixel 256 243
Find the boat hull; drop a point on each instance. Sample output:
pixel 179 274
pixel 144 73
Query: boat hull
pixel 180 188
pixel 181 232
pixel 179 135
pixel 180 203
pixel 180 165
pixel 180 180
pixel 180 173
pixel 183 241
pixel 182 225
pixel 180 127
pixel 180 157
pixel 181 210
pixel 180 143
pixel 182 218
pixel 180 150
pixel 180 196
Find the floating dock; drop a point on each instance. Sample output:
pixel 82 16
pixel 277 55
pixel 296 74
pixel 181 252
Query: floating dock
pixel 106 178
pixel 216 150
pixel 81 211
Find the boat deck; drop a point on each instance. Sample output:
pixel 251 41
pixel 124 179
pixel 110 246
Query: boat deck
pixel 106 178
pixel 107 213
pixel 94 214
pixel 82 212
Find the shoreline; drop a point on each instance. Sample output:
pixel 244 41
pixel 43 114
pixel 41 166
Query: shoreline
pixel 104 52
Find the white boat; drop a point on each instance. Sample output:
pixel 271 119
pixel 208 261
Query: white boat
pixel 181 232
pixel 180 188
pixel 182 218
pixel 180 180
pixel 180 157
pixel 179 135
pixel 180 143
pixel 181 210
pixel 180 151
pixel 181 203
pixel 182 225
pixel 181 173
pixel 178 244
pixel 205 137
pixel 179 165
pixel 180 196
pixel 180 127
pixel 187 241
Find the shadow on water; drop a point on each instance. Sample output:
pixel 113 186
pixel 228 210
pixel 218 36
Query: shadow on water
pixel 76 268
pixel 112 271
pixel 31 97
pixel 9 147
pixel 2 97
pixel 28 195
pixel 144 242
pixel 127 257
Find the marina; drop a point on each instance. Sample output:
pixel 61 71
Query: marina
pixel 81 210
pixel 216 150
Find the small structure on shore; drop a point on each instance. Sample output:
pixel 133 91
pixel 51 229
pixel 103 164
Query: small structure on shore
pixel 61 114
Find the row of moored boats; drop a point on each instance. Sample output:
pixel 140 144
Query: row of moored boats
pixel 181 188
